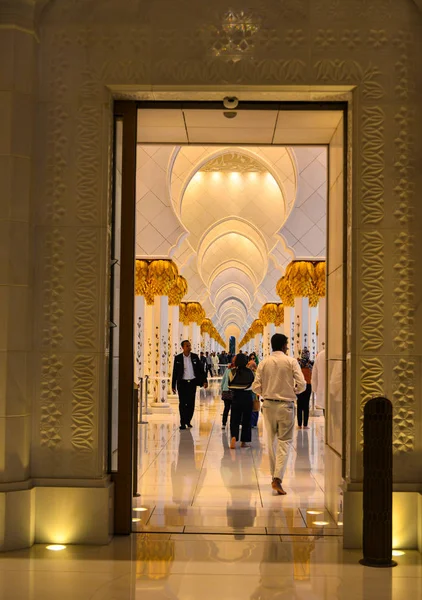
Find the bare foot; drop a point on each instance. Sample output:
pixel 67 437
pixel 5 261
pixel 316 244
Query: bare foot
pixel 276 485
pixel 299 426
pixel 233 443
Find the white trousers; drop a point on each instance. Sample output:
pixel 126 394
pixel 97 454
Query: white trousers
pixel 279 420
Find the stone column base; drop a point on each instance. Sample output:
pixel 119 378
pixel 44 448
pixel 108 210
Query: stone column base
pixel 56 512
pixel 407 519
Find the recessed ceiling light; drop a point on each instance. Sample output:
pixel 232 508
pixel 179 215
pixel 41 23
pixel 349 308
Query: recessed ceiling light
pixel 56 547
pixel 140 509
pixel 398 553
pixel 314 512
pixel 136 520
pixel 321 523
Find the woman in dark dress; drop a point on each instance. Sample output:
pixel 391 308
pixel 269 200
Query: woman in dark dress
pixel 240 382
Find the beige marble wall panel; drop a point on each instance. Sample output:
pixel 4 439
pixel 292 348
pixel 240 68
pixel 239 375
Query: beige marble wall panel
pixel 373 46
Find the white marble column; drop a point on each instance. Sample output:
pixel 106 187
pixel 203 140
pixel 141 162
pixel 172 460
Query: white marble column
pixel 148 342
pixel 301 320
pixel 174 344
pixel 160 355
pixel 206 342
pixel 322 323
pixel 258 344
pixel 195 337
pixel 186 333
pixel 139 341
pixel 313 317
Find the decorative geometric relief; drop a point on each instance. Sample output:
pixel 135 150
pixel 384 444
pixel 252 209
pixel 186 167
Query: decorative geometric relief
pixel 56 164
pixel 349 72
pixel 88 171
pixel 233 162
pixel 403 403
pixel 53 288
pixel 50 401
pixel 403 292
pixel 372 173
pixel 372 291
pixel 83 403
pixel 85 289
pixel 371 384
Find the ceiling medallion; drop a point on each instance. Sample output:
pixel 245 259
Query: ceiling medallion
pixel 232 162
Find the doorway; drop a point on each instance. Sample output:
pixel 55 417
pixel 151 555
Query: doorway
pixel 189 136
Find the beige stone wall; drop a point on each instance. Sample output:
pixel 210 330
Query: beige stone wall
pixel 86 46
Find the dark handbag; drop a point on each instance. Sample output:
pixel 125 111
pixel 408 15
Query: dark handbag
pixel 241 379
pixel 228 395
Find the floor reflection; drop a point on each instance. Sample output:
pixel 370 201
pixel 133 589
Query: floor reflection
pixel 190 481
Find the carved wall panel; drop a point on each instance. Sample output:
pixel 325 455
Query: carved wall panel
pixel 87 45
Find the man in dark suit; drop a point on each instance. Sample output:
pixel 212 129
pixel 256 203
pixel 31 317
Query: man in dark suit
pixel 188 373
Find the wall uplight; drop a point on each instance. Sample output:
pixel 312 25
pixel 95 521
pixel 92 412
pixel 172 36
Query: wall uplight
pixel 140 509
pixel 320 523
pixel 136 520
pixel 56 547
pixel 314 512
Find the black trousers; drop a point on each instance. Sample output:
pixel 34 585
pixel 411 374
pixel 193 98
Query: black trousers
pixel 227 406
pixel 208 370
pixel 303 406
pixel 187 392
pixel 241 413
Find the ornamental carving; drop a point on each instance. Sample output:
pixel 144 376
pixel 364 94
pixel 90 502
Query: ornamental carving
pixel 83 403
pixel 233 162
pixel 372 291
pixel 85 289
pixel 372 167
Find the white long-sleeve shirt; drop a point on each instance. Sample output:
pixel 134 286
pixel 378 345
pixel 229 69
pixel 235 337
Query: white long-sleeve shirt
pixel 279 377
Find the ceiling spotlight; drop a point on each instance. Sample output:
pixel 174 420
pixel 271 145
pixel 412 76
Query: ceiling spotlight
pixel 231 102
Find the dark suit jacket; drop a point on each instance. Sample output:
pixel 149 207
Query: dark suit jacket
pixel 179 368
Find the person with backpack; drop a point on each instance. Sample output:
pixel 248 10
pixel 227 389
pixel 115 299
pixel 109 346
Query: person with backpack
pixel 240 379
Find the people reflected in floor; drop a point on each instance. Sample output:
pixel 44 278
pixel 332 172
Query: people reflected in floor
pixel 304 397
pixel 240 380
pixel 185 473
pixel 226 395
pixel 237 473
pixel 278 379
pixel 188 374
pixel 302 460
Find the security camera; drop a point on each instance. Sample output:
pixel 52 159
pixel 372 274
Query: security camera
pixel 230 102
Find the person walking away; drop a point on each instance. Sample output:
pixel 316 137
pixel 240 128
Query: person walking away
pixel 215 364
pixel 304 397
pixel 240 381
pixel 318 380
pixel 208 362
pixel 278 378
pixel 255 413
pixel 226 395
pixel 188 374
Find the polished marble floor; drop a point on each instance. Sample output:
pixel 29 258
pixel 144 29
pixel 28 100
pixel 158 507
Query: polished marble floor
pixel 206 567
pixel 191 482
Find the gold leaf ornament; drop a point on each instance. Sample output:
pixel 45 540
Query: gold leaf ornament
pixel 300 276
pixel 141 277
pixel 268 313
pixel 162 274
pixel 177 291
pixel 284 290
pixel 206 326
pixel 319 279
pixel 195 313
pixel 280 315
